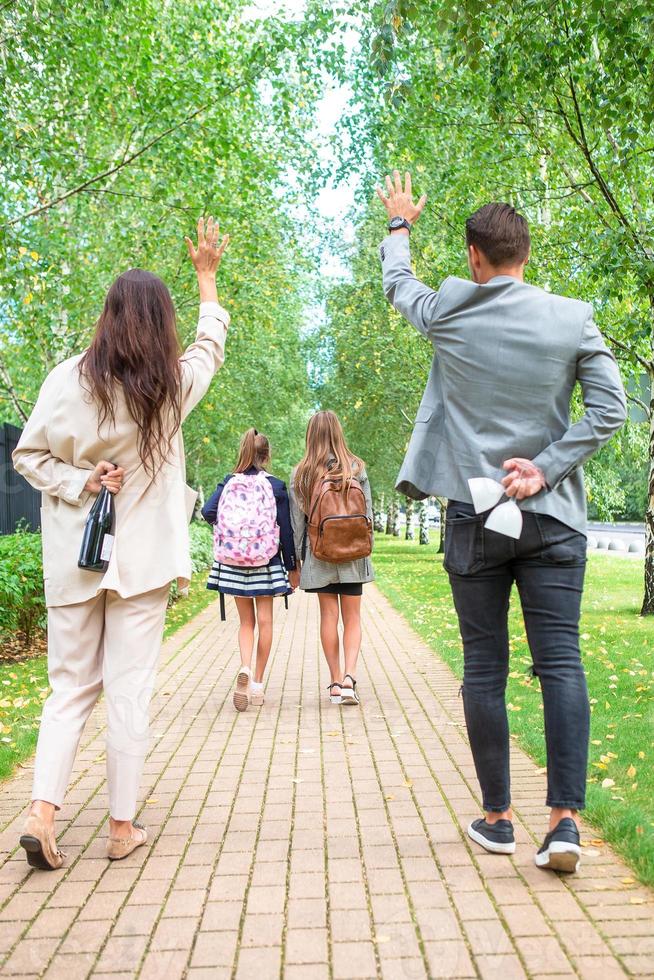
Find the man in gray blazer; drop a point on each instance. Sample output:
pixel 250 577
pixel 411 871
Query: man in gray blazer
pixel 494 424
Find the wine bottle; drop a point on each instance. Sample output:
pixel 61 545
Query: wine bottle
pixel 98 538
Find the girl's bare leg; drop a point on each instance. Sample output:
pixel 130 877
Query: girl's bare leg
pixel 264 643
pixel 245 608
pixel 329 635
pixel 351 612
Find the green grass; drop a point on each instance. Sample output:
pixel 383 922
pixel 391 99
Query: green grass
pixel 618 653
pixel 24 684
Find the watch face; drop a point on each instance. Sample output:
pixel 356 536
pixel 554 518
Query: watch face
pixel 396 222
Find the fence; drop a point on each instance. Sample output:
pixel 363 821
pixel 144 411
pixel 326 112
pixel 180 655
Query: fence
pixel 18 500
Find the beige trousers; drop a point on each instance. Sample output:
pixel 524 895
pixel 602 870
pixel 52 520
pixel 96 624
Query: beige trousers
pixel 111 644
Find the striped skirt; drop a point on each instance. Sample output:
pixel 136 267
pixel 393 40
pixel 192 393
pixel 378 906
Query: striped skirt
pixel 270 579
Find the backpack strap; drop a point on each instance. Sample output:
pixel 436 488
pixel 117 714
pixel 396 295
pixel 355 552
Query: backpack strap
pixel 223 617
pixel 286 602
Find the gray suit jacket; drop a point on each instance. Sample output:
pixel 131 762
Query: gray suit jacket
pixel 506 359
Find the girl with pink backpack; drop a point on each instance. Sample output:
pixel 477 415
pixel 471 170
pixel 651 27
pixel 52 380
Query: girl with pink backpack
pixel 254 555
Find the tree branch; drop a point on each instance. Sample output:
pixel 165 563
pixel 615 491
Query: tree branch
pixel 641 404
pixel 131 157
pixel 11 391
pixel 647 365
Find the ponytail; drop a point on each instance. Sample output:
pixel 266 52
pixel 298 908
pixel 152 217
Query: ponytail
pixel 253 451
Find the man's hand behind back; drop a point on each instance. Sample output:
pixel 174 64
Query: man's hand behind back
pixel 524 479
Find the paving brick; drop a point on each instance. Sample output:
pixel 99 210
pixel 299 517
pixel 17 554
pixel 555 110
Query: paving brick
pixel 306 946
pixel 262 930
pixel 354 961
pixel 215 893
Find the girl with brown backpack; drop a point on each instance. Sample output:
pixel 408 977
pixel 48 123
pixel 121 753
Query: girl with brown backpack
pixel 331 513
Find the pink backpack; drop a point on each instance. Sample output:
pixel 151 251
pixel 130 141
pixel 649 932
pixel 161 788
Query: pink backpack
pixel 246 532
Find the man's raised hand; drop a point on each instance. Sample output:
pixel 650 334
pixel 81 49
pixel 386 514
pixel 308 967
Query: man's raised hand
pixel 399 202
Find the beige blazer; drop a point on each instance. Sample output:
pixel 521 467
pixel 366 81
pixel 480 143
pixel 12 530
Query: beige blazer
pixel 61 445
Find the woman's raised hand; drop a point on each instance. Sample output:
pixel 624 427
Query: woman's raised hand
pixel 209 252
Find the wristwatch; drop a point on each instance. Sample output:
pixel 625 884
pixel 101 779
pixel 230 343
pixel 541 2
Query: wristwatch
pixel 398 222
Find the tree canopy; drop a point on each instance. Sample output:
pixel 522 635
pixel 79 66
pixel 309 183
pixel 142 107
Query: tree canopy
pixel 124 121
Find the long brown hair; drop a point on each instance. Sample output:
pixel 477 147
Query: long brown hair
pixel 325 441
pixel 136 345
pixel 253 451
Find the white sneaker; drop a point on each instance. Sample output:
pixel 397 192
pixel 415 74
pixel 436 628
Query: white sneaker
pixel 257 696
pixel 242 690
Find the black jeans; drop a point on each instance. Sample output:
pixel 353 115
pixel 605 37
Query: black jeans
pixel 547 564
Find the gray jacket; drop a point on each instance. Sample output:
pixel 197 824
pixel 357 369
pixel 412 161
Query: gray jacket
pixel 315 573
pixel 507 356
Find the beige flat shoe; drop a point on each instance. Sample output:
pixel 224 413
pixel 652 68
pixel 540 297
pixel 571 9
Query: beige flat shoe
pixel 119 847
pixel 257 698
pixel 241 696
pixel 40 845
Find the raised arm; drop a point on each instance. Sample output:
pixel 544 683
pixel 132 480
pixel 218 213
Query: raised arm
pixel 206 354
pixel 410 297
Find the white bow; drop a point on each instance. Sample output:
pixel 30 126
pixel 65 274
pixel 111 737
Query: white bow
pixel 505 519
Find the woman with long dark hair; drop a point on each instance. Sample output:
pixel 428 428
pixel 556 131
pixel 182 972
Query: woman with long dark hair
pixel 111 417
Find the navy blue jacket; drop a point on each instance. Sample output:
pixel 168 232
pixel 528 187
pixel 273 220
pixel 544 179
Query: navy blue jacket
pixel 287 548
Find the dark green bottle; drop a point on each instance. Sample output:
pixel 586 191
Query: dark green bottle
pixel 98 538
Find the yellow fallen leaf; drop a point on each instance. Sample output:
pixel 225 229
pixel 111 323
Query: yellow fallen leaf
pixel 150 800
pixel 628 881
pixel 631 772
pixel 389 797
pixel 607 783
pixel 637 900
pixel 408 783
pixel 35 256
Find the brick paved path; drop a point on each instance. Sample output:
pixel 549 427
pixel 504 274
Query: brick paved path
pixel 306 840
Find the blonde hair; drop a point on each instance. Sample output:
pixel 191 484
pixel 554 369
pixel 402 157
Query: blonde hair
pixel 325 441
pixel 253 451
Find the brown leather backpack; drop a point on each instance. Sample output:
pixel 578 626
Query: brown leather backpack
pixel 339 529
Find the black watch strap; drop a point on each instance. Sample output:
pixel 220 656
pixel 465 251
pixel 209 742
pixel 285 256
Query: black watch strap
pixel 399 222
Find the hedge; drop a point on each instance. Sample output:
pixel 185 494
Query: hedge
pixel 22 605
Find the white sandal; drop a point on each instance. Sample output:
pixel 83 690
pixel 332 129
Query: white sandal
pixel 349 694
pixel 334 698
